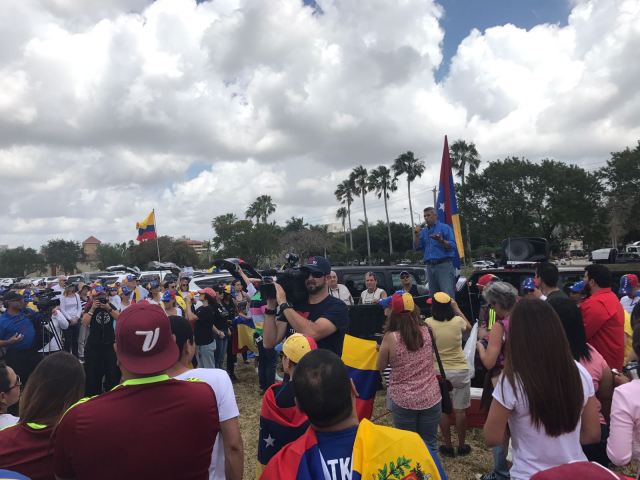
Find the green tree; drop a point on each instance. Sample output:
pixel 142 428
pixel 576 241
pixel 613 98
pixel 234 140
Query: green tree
pixel 230 233
pixel 62 253
pixel 111 254
pixel 176 251
pixel 261 208
pixel 622 189
pixel 382 182
pixel 295 224
pixel 360 179
pixel 407 164
pixel 464 156
pixel 19 262
pixel 341 214
pixel 345 193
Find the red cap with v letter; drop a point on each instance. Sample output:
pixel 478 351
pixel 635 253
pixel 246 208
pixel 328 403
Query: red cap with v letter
pixel 144 341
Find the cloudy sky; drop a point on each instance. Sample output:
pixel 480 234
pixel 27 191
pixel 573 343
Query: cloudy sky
pixel 109 108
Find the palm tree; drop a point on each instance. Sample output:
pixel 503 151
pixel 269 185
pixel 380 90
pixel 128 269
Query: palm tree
pixel 261 208
pixel 360 179
pixel 464 156
pixel 341 214
pixel 407 164
pixel 381 180
pixel 344 193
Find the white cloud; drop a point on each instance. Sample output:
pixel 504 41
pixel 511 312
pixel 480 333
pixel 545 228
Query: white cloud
pixel 111 108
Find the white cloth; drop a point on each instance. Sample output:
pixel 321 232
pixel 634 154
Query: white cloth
pixel 227 409
pixel 57 324
pixel 628 303
pixel 71 308
pixel 116 301
pixel 6 420
pixel 367 298
pixel 341 292
pixel 533 449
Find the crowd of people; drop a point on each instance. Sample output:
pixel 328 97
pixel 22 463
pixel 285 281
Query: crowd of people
pixel 127 380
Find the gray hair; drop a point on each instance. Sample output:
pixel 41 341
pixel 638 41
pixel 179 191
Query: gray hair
pixel 502 293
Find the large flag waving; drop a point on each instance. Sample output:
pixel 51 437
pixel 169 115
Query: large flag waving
pixel 447 205
pixel 147 227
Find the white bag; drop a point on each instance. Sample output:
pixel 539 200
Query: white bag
pixel 470 350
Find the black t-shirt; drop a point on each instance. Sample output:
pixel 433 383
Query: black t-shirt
pixel 101 331
pixel 203 329
pixel 334 310
pixel 221 316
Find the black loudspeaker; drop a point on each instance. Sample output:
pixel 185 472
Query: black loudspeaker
pixel 525 249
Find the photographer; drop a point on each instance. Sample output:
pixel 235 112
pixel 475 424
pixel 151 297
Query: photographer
pixel 55 327
pixel 100 358
pixel 324 318
pixel 17 334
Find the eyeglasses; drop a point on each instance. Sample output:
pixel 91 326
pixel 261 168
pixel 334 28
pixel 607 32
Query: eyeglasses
pixel 17 384
pixel 314 274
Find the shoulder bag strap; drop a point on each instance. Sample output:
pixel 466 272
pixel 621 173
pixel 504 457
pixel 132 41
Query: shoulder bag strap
pixel 437 354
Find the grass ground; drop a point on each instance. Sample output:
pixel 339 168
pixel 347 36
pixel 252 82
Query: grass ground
pixel 249 399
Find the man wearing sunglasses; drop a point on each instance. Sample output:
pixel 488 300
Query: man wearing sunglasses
pixel 324 318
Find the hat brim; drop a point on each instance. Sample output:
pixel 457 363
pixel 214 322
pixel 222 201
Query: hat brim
pixel 155 364
pixel 313 268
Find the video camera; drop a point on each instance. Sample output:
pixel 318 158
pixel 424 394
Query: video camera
pixel 292 280
pixel 46 299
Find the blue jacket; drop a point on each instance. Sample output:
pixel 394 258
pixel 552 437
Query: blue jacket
pixel 20 323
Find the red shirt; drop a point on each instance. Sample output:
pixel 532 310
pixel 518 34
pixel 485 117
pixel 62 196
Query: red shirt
pixel 603 318
pixel 147 428
pixel 27 451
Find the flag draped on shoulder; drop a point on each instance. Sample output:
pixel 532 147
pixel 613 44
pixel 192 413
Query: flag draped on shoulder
pixel 147 228
pixel 281 422
pixel 359 356
pixel 447 206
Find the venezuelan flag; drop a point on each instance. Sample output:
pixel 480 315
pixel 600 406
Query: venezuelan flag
pixel 378 452
pixel 359 356
pixel 281 422
pixel 447 205
pixel 147 228
pixel 385 452
pixel 243 335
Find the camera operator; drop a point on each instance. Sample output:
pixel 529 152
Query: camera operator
pixel 99 356
pixel 17 334
pixel 324 318
pixel 55 327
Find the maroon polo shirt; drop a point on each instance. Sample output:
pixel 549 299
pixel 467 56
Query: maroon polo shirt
pixel 144 429
pixel 27 449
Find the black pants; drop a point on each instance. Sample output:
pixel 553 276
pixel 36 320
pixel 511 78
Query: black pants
pixel 597 452
pixel 267 360
pixel 71 339
pixel 231 357
pixel 100 364
pixel 23 362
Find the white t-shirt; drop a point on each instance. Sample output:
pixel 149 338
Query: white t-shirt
pixel 116 301
pixel 628 303
pixel 367 298
pixel 341 292
pixel 6 420
pixel 533 449
pixel 227 409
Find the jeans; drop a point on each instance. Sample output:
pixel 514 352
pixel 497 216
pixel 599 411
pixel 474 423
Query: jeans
pixel 500 465
pixel 221 349
pixel 266 366
pixel 423 422
pixel 206 355
pixel 82 340
pixel 442 278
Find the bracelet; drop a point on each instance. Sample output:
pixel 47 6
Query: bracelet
pixel 269 311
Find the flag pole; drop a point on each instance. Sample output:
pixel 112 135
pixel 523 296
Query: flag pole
pixel 157 242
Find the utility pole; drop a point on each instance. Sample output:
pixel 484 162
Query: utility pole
pixel 435 197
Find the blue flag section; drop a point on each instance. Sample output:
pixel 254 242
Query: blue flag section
pixel 447 206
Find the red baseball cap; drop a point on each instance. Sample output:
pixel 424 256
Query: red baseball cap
pixel 144 340
pixel 485 279
pixel 209 291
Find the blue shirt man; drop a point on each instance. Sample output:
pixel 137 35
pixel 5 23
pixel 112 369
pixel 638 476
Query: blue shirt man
pixel 438 243
pixel 16 328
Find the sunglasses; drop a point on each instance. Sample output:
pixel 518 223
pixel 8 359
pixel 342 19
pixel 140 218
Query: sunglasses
pixel 314 274
pixel 404 276
pixel 172 286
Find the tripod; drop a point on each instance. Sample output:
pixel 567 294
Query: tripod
pixel 48 326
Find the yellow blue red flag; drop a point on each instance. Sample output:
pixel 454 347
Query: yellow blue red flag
pixel 447 206
pixel 359 356
pixel 147 228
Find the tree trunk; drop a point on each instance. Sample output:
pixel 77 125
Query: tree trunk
pixel 467 256
pixel 350 231
pixel 413 225
pixel 386 211
pixel 366 227
pixel 344 230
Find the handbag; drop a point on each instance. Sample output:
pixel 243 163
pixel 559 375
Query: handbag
pixel 444 384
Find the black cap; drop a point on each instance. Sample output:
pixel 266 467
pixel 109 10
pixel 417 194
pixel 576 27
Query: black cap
pixel 12 296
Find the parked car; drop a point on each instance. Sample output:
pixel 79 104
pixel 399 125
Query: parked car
pixel 209 281
pixel 483 264
pixel 151 275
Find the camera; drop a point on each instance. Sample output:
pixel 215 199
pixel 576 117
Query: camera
pixel 102 300
pixel 46 299
pixel 292 281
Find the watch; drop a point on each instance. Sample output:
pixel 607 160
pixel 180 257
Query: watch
pixel 283 306
pixel 270 311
